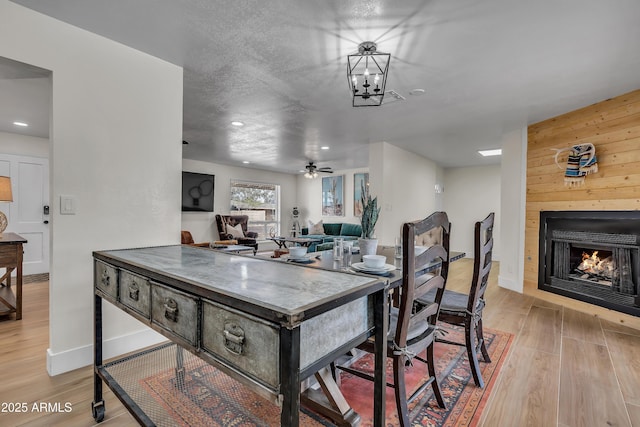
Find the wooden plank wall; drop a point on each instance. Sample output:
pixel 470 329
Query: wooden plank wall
pixel 613 126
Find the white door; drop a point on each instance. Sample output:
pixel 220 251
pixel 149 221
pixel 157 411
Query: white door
pixel 30 187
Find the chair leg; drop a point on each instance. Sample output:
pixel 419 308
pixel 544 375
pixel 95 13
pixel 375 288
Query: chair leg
pixel 400 390
pixel 432 373
pixel 474 365
pixel 483 347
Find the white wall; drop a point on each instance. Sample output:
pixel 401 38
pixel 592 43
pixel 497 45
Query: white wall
pixel 405 185
pixel 22 145
pixel 202 225
pixel 470 194
pixel 310 198
pixel 116 147
pixel 514 172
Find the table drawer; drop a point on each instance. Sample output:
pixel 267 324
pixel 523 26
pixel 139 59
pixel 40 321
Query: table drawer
pixel 175 311
pixel 135 293
pixel 106 279
pixel 9 256
pixel 245 342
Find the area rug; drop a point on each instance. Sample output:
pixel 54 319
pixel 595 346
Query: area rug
pixel 211 398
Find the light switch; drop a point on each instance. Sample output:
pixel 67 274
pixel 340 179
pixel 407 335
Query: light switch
pixel 67 205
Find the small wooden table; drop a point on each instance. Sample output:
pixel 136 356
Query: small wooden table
pixel 11 259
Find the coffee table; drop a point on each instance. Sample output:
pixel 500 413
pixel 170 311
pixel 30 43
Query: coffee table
pixel 231 248
pixel 302 241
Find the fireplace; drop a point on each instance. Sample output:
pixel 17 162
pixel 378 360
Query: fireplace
pixel 592 256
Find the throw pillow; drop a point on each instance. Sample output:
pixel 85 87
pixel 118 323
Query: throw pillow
pixel 316 228
pixel 236 232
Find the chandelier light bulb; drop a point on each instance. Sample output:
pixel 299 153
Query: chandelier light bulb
pixel 376 79
pixel 366 73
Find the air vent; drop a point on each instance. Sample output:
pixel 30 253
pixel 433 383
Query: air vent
pixel 392 96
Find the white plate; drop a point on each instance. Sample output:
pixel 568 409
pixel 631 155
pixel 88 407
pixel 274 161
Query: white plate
pixel 361 267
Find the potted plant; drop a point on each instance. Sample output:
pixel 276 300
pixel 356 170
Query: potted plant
pixel 370 211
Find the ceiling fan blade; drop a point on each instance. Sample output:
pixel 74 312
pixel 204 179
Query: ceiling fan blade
pixel 324 169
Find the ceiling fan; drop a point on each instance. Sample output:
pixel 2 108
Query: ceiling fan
pixel 312 170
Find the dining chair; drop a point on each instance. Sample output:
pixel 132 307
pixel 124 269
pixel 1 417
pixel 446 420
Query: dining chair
pixel 465 309
pixel 412 327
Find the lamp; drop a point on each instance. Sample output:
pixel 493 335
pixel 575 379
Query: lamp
pixel 367 74
pixel 311 175
pixel 5 196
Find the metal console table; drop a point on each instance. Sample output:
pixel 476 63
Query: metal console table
pixel 268 324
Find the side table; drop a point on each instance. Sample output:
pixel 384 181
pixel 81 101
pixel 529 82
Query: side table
pixel 11 258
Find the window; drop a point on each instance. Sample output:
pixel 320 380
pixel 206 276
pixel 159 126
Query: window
pixel 261 202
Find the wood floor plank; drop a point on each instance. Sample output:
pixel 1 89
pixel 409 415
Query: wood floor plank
pixel 542 330
pixel 586 383
pixel 527 391
pixel 634 414
pixel 514 301
pixel 546 304
pixel 508 321
pixel 616 327
pixel 582 326
pixel 625 356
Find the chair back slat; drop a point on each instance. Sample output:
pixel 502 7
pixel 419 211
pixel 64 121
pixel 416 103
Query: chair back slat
pixel 482 261
pixel 414 282
pixel 428 256
pixel 431 282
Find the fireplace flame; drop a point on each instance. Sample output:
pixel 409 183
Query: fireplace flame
pixel 592 264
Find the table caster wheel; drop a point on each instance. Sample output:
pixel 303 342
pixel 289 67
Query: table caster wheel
pixel 97 410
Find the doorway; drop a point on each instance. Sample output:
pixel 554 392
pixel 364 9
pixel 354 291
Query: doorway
pixel 25 118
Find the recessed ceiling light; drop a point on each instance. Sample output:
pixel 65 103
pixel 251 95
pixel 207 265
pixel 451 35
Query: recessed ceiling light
pixel 237 123
pixel 324 147
pixel 417 92
pixel 494 152
pixel 246 162
pixel 20 124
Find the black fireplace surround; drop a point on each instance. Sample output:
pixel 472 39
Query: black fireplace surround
pixel 592 256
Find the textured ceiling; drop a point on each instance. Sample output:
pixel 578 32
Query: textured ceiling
pixel 486 67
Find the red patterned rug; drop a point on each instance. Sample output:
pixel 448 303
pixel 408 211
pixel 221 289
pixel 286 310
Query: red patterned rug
pixel 211 398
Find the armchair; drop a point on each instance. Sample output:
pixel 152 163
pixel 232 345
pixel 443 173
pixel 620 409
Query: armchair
pixel 187 239
pixel 243 236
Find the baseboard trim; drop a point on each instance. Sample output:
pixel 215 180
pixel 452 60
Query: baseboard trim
pixel 65 361
pixel 510 284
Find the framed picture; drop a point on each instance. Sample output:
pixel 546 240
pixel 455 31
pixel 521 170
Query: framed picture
pixel 360 181
pixel 333 195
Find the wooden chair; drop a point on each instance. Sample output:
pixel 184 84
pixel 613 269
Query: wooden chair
pixel 466 309
pixel 187 239
pixel 412 328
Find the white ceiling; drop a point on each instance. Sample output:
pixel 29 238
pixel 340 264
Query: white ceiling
pixel 487 67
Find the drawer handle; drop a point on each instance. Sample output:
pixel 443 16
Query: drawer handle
pixel 134 292
pixel 105 279
pixel 171 309
pixel 233 338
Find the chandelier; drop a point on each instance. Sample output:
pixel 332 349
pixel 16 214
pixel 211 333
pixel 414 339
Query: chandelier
pixel 367 74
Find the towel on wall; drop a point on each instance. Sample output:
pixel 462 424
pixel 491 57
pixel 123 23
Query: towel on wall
pixel 581 162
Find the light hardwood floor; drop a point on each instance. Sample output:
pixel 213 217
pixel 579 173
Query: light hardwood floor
pixel 565 368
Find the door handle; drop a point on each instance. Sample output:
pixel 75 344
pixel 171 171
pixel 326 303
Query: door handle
pixel 46 222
